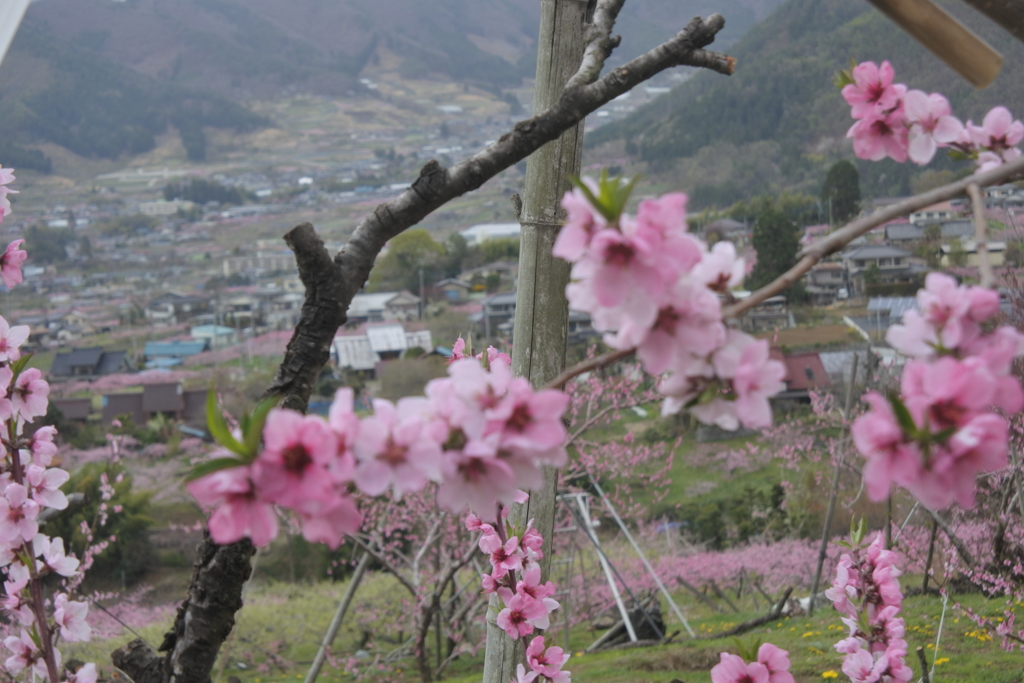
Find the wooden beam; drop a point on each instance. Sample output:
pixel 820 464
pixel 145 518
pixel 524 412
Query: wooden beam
pixel 947 38
pixel 1007 13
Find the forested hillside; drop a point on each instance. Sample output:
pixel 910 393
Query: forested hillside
pixel 57 92
pixel 102 78
pixel 779 121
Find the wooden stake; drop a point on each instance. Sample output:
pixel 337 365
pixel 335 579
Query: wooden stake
pixel 1007 13
pixel 542 311
pixel 947 38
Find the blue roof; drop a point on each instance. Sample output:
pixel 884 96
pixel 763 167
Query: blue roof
pixel 175 349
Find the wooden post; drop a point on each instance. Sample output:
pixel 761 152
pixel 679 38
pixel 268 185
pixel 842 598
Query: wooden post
pixel 1007 13
pixel 542 312
pixel 947 38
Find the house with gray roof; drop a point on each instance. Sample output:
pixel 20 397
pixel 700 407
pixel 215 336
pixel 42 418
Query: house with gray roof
pixel 90 362
pixel 890 265
pixel 906 233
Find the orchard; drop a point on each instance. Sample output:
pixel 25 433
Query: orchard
pixel 433 488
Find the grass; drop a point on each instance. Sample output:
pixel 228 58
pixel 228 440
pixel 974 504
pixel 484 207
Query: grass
pixel 281 627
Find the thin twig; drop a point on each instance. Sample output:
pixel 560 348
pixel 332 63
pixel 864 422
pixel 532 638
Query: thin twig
pixel 840 238
pixel 390 568
pixel 907 520
pixel 601 413
pixel 595 363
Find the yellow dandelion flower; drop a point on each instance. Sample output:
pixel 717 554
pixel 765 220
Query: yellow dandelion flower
pixel 808 634
pixel 830 674
pixel 941 660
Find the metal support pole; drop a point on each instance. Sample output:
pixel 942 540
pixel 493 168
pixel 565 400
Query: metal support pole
pixel 643 558
pixel 584 513
pixel 332 630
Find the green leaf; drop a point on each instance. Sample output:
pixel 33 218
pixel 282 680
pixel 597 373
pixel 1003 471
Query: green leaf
pixel 903 416
pixel 252 426
pixel 957 155
pixel 218 426
pixel 589 194
pixel 944 435
pixel 211 466
pixel 19 365
pixel 845 76
pixel 741 648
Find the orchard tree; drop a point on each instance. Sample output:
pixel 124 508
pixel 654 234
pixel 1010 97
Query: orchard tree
pixel 840 193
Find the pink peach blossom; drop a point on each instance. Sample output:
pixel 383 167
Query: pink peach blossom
pixel 393 449
pixel 29 394
pixel 880 136
pixel 13 257
pixel 732 669
pixel 239 511
pixel 872 91
pixel 931 125
pixel 11 338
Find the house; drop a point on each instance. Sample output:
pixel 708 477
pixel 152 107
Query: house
pixel 90 362
pixel 738 233
pixel 454 289
pixel 770 314
pixel 167 399
pixel 888 265
pixel 378 343
pixel 497 309
pixel 244 310
pixel 171 308
pixel 216 336
pixel 804 373
pixel 996 254
pixel 581 328
pixel 824 281
pixel 73 408
pixel 478 234
pixel 906 233
pixel 507 271
pixel 383 306
pixel 942 211
pixel 170 353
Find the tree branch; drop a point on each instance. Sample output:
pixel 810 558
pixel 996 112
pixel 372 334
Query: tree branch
pixel 600 43
pixel 204 620
pixel 840 238
pixel 331 289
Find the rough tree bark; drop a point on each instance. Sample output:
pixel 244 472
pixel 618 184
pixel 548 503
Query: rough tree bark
pixel 207 616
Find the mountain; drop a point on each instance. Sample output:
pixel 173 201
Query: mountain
pixel 779 122
pixel 59 92
pixel 103 78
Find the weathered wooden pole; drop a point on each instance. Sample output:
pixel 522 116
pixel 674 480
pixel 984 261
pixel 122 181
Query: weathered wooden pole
pixel 542 312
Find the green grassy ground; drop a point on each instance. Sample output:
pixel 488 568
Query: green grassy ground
pixel 281 626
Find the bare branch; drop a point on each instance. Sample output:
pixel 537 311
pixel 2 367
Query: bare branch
pixel 600 43
pixel 595 363
pixel 981 236
pixel 333 287
pixel 390 568
pixel 840 238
